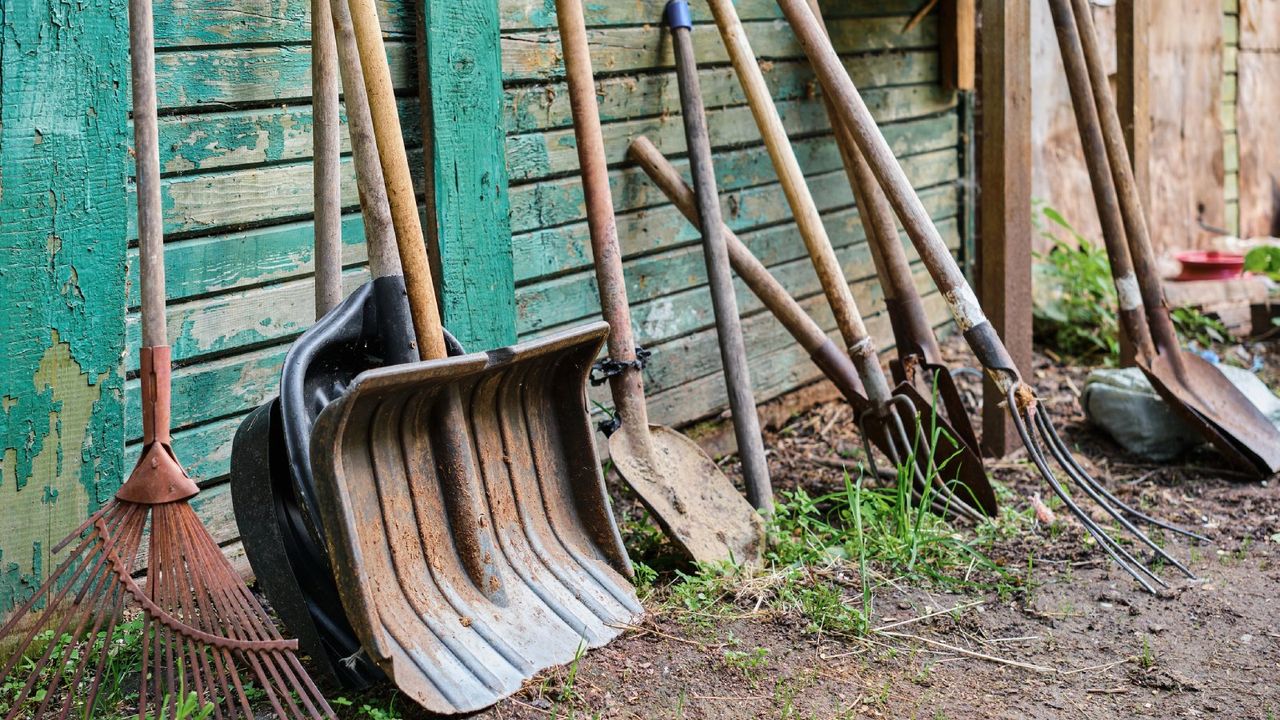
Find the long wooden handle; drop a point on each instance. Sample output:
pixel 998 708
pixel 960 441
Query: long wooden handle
pixel 379 230
pixel 805 210
pixel 911 212
pixel 1100 176
pixel 146 142
pixel 753 272
pixel 326 143
pixel 399 183
pixel 1135 219
pixel 628 386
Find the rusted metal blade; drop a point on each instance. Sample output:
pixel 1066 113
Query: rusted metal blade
pixel 934 379
pixel 1205 398
pixel 955 460
pixel 686 492
pixel 469 527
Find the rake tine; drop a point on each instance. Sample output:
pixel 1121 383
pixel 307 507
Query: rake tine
pixel 918 487
pixel 1086 483
pixel 1108 545
pixel 1128 509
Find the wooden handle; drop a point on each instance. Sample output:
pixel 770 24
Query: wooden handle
pixel 915 219
pixel 326 143
pixel 628 386
pixel 812 231
pixel 379 230
pixel 146 146
pixel 1100 176
pixel 399 183
pixel 1135 219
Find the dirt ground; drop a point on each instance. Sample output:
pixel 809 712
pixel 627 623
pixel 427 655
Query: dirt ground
pixel 1081 639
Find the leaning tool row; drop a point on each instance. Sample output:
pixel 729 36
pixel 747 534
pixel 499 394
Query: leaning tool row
pixel 438 518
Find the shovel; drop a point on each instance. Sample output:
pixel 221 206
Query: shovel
pixel 1035 428
pixel 685 491
pixel 272 490
pixel 891 422
pixel 465 514
pixel 1193 387
pixel 830 359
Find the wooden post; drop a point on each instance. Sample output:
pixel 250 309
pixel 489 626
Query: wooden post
pixel 464 134
pixel 959 37
pixel 64 148
pixel 1004 252
pixel 1133 87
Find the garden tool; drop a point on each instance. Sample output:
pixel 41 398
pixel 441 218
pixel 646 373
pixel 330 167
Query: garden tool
pixel 204 636
pixel 685 491
pixel 272 489
pixel 1033 424
pixel 834 362
pixel 918 367
pixel 733 350
pixel 1193 387
pixel 893 423
pixel 465 513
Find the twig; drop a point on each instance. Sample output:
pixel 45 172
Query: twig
pixel 535 708
pixel 727 697
pixel 971 653
pixel 1092 668
pixel 935 613
pixel 919 15
pixel 1107 691
pixel 659 633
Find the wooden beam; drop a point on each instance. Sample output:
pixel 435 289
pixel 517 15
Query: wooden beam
pixel 1004 253
pixel 63 228
pixel 468 208
pixel 1133 87
pixel 959 44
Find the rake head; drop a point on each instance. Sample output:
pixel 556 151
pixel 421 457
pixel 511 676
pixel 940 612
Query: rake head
pixel 1043 442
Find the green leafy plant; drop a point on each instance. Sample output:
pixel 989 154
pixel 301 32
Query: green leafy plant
pixel 1194 326
pixel 1264 260
pixel 1075 307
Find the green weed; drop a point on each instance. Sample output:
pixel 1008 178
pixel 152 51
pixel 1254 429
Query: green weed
pixel 1075 314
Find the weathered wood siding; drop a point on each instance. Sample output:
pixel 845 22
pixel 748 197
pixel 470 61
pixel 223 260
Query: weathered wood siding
pixel 235 144
pixel 1257 114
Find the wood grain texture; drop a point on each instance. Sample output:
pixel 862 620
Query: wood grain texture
pixel 1258 112
pixel 64 136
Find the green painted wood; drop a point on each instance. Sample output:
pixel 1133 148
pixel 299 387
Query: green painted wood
pixel 471 237
pixel 63 135
pixel 212 77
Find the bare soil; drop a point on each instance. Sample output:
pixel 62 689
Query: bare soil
pixel 1078 639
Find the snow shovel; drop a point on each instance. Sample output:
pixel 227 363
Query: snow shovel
pixel 1193 387
pixel 272 490
pixel 1035 428
pixel 834 362
pixel 685 491
pixel 894 423
pixel 465 515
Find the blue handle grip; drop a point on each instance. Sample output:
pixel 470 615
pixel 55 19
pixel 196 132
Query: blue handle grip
pixel 677 15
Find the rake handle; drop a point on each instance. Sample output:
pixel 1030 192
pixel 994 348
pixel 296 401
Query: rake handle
pixel 326 151
pixel 959 296
pixel 398 181
pixel 834 363
pixel 1135 220
pixel 146 146
pixel 1104 186
pixel 628 386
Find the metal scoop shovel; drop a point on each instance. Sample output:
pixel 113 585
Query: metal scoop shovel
pixel 1044 445
pixel 894 423
pixel 1194 388
pixel 465 515
pixel 690 498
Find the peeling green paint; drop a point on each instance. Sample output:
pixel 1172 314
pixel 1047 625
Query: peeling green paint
pixel 63 155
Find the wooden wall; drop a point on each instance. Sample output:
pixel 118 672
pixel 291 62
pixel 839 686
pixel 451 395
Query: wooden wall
pixel 233 83
pixel 1258 115
pixel 1192 86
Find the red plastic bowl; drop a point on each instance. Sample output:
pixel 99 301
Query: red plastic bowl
pixel 1210 265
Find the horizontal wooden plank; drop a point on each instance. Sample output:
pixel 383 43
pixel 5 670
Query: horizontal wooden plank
pixel 229 138
pixel 212 390
pixel 220 76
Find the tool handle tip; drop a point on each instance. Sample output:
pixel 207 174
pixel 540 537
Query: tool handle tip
pixel 677 15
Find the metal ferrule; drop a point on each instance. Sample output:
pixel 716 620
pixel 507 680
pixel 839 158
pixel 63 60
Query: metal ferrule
pixel 677 15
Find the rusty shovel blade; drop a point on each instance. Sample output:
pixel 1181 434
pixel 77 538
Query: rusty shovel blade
pixel 688 494
pixel 952 456
pixel 1206 399
pixel 468 523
